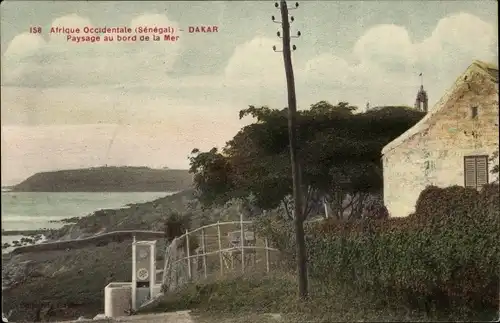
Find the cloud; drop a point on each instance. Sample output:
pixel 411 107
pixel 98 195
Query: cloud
pixel 30 61
pixel 382 68
pixel 385 45
pixel 24 45
pixel 254 59
pixel 385 61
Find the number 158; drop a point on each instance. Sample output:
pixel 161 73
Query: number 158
pixel 36 30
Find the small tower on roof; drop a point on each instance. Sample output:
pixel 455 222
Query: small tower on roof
pixel 422 101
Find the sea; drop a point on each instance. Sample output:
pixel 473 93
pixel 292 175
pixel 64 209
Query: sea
pixel 38 210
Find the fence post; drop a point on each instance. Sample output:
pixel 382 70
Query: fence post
pixel 166 261
pixel 188 254
pixel 204 252
pixel 220 249
pixel 267 255
pixel 242 243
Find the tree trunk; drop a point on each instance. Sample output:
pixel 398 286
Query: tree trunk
pixel 292 133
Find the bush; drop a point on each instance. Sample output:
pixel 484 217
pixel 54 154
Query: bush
pixel 444 258
pixel 176 225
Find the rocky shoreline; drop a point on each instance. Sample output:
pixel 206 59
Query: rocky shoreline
pixel 32 237
pixel 69 283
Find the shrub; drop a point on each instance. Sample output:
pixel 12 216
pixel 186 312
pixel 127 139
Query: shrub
pixel 175 225
pixel 445 257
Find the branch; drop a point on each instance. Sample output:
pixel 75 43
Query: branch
pixel 358 209
pixel 351 202
pixel 286 209
pixel 336 203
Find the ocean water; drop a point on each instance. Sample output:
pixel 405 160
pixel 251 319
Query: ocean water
pixel 36 210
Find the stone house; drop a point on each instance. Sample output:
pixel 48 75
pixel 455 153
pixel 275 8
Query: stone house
pixel 451 145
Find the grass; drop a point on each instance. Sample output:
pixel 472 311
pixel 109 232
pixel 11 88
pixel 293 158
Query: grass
pixel 72 282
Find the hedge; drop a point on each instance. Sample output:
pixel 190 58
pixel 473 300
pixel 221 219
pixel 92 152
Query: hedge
pixel 445 256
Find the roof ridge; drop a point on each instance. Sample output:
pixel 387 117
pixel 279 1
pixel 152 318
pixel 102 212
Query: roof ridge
pixel 477 67
pixel 485 65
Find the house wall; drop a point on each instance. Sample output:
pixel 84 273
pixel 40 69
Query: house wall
pixel 435 155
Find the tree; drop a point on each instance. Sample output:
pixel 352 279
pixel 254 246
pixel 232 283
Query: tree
pixel 341 157
pixel 212 176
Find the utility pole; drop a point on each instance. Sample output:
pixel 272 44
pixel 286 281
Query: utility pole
pixel 292 134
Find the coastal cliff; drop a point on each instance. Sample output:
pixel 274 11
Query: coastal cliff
pixel 107 179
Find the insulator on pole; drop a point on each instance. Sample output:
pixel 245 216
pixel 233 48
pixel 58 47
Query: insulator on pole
pixel 296 6
pixel 273 18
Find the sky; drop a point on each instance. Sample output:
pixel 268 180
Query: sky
pixel 67 105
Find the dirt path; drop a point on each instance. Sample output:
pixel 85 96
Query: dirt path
pixel 185 317
pixel 174 317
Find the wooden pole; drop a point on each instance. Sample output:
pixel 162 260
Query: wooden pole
pixel 220 249
pixel 242 243
pixel 292 134
pixel 188 254
pixel 204 252
pixel 267 255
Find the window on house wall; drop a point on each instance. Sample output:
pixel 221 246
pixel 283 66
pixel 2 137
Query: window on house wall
pixel 473 112
pixel 475 171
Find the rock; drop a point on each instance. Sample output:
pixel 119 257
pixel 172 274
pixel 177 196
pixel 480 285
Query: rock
pixel 14 272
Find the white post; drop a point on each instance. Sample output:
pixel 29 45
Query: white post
pixel 165 264
pixel 242 243
pixel 267 255
pixel 204 252
pixel 134 277
pixel 326 207
pixel 220 249
pixel 152 267
pixel 188 255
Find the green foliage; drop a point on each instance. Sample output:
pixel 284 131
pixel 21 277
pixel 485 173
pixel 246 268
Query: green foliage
pixel 339 151
pixel 176 225
pixel 443 259
pixel 494 159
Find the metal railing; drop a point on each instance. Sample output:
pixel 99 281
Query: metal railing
pixel 179 258
pixel 104 238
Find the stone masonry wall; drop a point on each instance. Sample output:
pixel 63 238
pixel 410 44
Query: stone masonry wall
pixel 435 156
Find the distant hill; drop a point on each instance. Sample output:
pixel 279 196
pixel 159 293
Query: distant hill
pixel 107 179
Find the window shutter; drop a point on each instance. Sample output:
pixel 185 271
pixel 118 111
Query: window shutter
pixel 470 172
pixel 481 171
